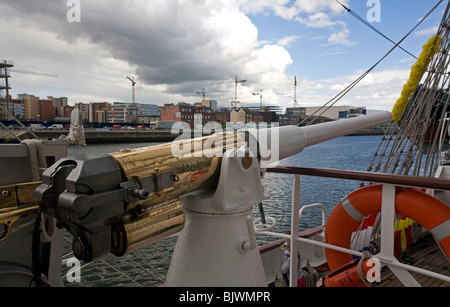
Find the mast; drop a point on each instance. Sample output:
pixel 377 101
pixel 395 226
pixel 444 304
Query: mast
pixel 295 92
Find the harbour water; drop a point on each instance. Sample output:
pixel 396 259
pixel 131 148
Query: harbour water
pixel 148 266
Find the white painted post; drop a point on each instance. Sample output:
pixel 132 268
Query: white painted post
pixel 293 275
pixel 387 236
pixel 387 221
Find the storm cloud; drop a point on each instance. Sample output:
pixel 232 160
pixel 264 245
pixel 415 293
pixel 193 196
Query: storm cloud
pixel 168 41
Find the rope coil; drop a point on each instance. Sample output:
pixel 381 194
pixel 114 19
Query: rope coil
pixel 366 256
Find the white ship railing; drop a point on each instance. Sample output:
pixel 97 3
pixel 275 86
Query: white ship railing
pixel 386 255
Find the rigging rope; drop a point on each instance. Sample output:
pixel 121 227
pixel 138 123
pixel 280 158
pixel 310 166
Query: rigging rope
pixel 354 83
pixel 417 71
pixel 419 140
pixel 372 27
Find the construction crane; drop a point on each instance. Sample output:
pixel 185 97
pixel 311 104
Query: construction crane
pixel 133 83
pixel 260 99
pixel 7 66
pixel 235 89
pixel 204 93
pixel 295 92
pixel 31 72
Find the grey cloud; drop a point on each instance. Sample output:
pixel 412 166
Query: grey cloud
pixel 166 41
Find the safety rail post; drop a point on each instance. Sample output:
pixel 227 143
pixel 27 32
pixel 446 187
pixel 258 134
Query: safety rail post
pixel 387 237
pixel 387 221
pixel 385 256
pixel 295 217
pixel 395 264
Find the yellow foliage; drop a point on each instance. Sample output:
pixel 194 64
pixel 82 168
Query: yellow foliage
pixel 417 71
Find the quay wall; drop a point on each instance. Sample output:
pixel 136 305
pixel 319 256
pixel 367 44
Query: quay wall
pixel 116 136
pixel 98 137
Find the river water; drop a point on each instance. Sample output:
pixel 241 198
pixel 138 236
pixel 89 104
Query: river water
pixel 148 266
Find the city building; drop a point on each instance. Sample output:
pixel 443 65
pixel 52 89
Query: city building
pixel 221 116
pixel 32 106
pixel 16 108
pixel 238 116
pixel 209 104
pixel 123 112
pixel 46 110
pixel 186 113
pixel 286 119
pixel 333 112
pixel 84 109
pixel 59 102
pixel 245 115
pixel 300 112
pixel 63 113
pixel 148 113
pixel 98 112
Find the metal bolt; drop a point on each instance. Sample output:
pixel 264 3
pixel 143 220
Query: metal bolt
pixel 6 193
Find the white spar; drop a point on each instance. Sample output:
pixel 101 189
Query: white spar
pixel 290 140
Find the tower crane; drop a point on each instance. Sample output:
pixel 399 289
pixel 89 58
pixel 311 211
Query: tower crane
pixel 7 66
pixel 31 72
pixel 260 99
pixel 235 90
pixel 204 93
pixel 133 83
pixel 295 92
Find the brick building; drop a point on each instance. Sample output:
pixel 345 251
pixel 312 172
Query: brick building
pixel 186 113
pixel 46 110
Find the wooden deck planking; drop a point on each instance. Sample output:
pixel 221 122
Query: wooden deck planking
pixel 427 256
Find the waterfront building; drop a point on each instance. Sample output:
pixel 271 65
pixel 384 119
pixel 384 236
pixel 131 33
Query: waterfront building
pixel 286 119
pixel 16 108
pixel 46 110
pixel 148 113
pixel 63 113
pixel 32 106
pixel 221 116
pixel 84 109
pixel 98 112
pixel 209 104
pixel 333 112
pixel 123 112
pixel 245 115
pixel 59 102
pixel 186 113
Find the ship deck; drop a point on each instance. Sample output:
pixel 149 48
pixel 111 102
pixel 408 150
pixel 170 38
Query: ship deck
pixel 427 255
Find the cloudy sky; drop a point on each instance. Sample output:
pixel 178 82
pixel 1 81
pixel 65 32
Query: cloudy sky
pixel 176 48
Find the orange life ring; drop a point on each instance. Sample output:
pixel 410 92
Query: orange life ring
pixel 428 211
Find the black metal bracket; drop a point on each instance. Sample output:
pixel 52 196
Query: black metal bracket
pixel 87 196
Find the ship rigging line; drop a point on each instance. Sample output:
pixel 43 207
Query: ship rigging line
pixel 373 28
pixel 341 94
